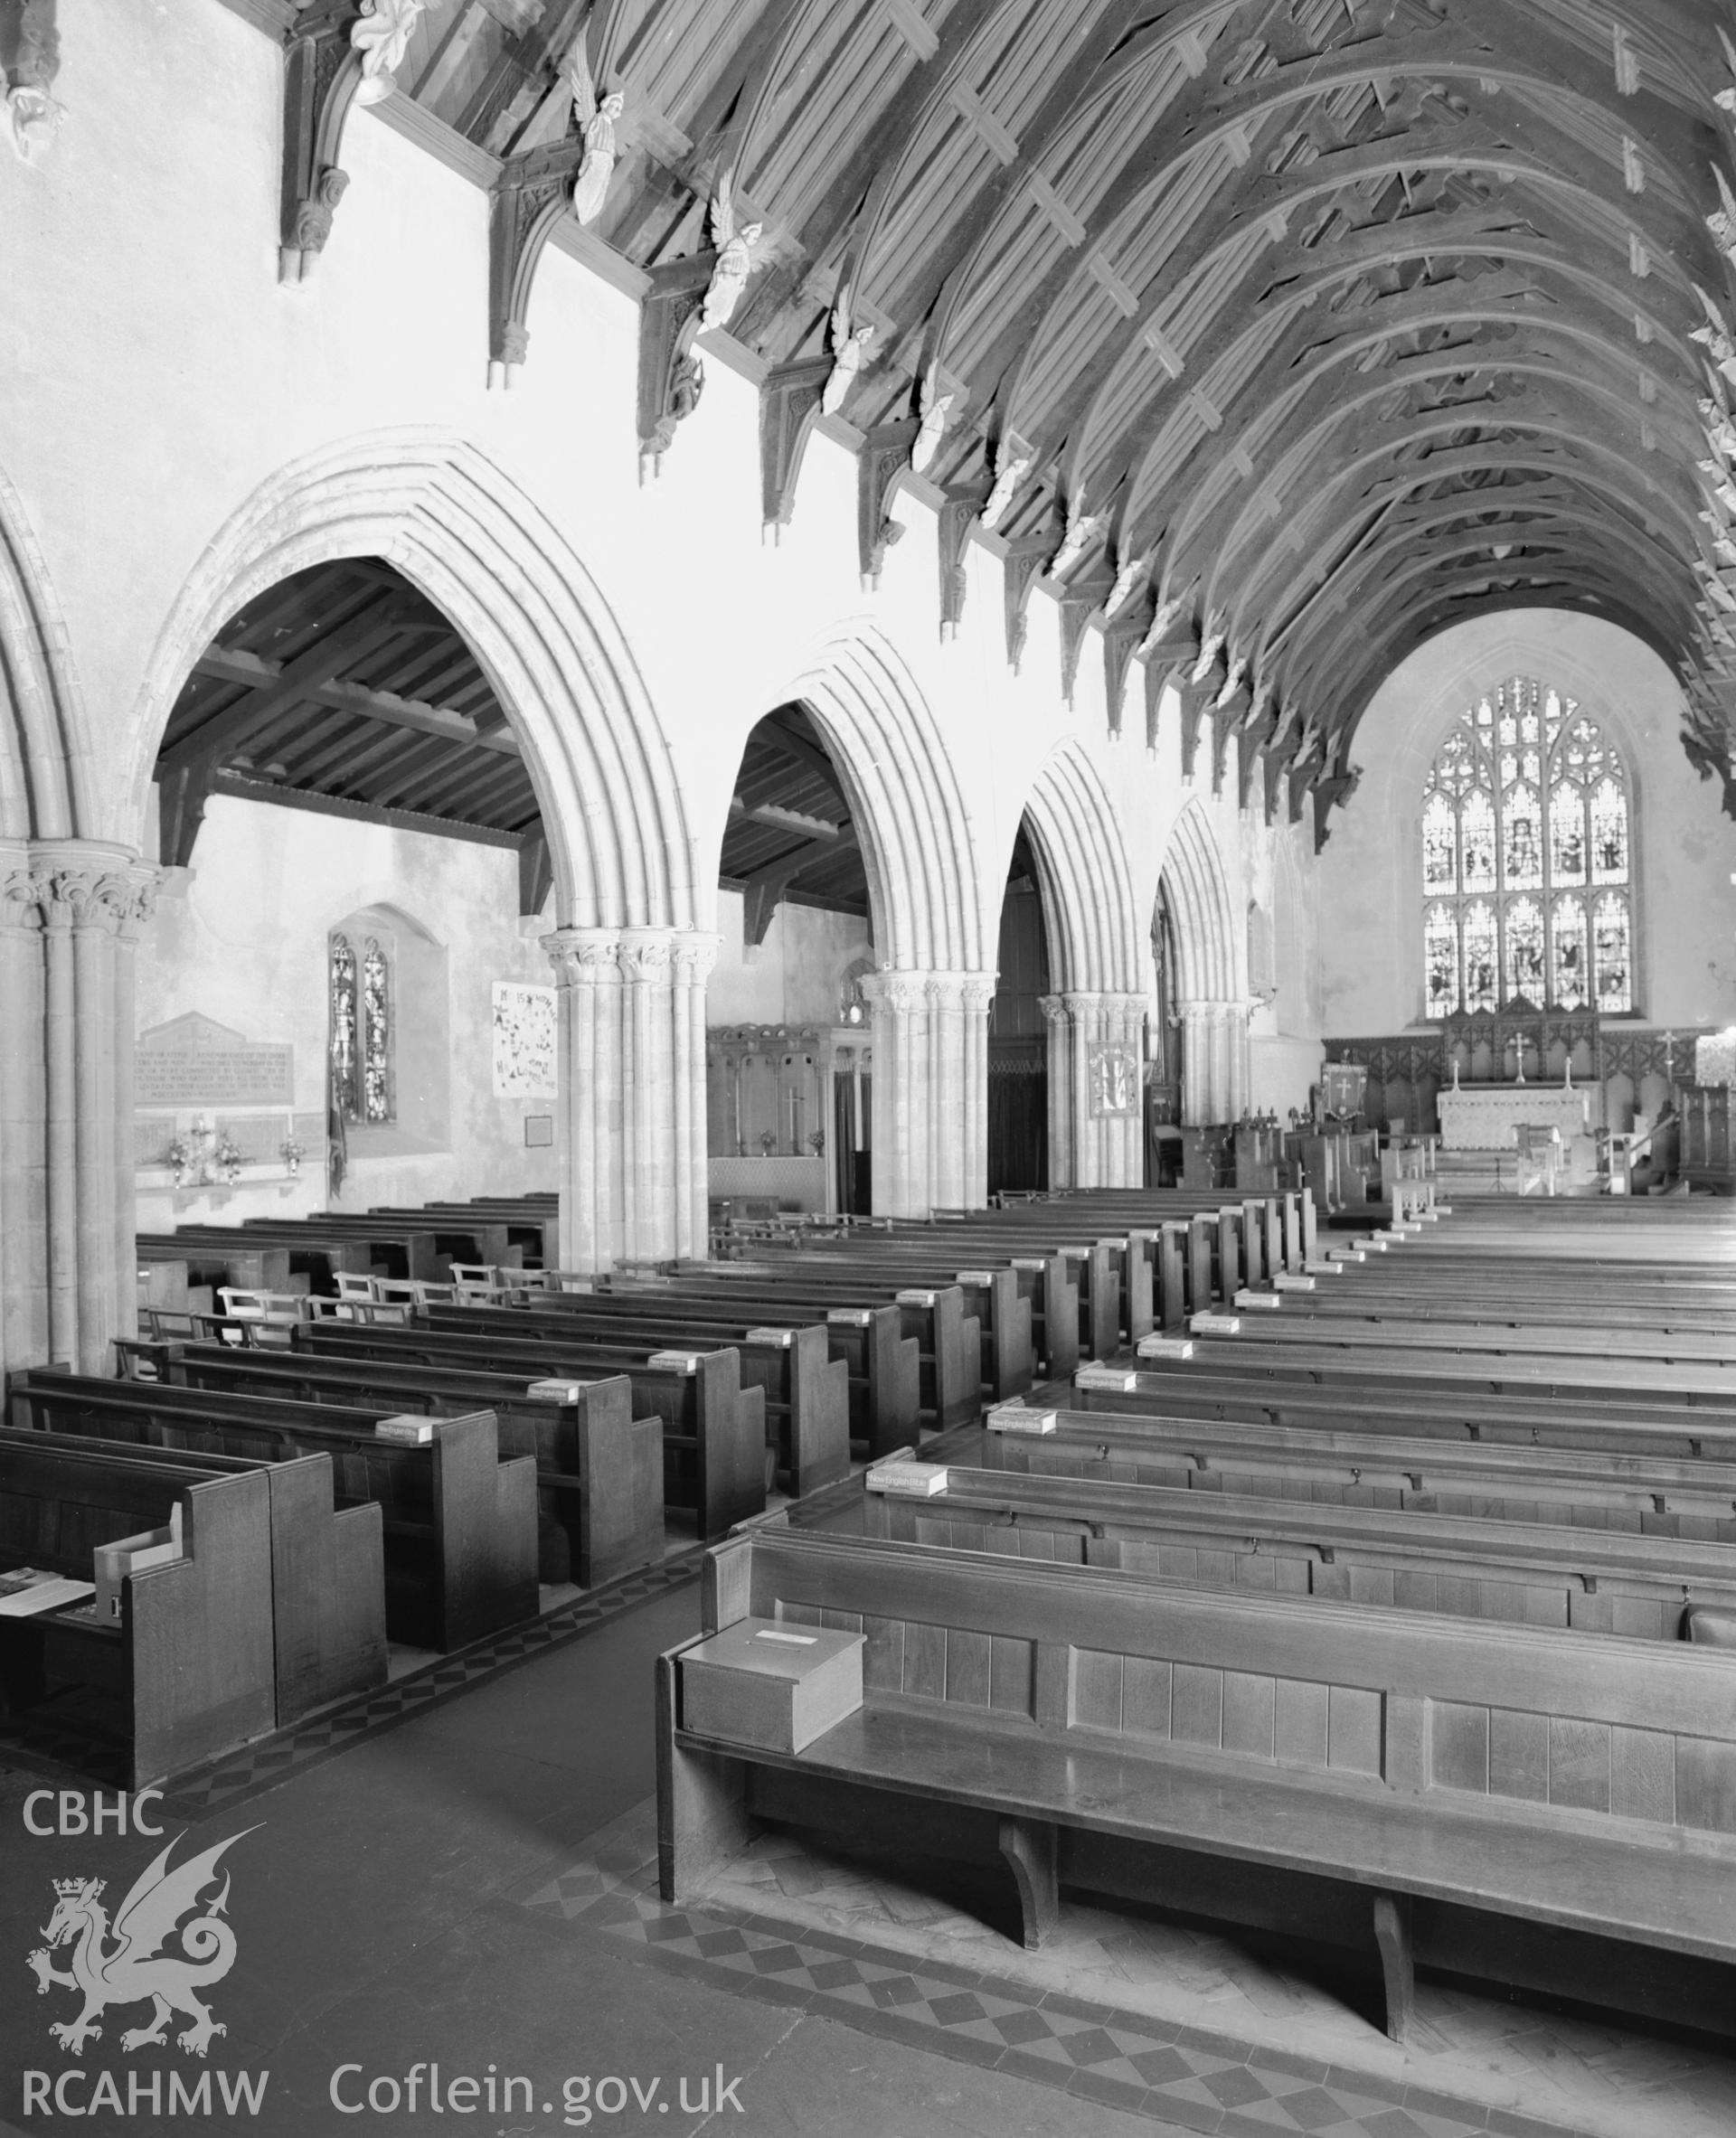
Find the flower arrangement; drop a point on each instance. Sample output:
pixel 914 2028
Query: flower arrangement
pixel 292 1153
pixel 228 1159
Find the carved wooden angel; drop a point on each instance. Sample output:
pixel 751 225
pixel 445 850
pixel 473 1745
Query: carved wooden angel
pixel 1232 683
pixel 35 119
pixel 734 258
pixel 1167 612
pixel 1009 473
pixel 1128 579
pixel 1726 98
pixel 1082 529
pixel 849 353
pixel 597 122
pixel 1211 646
pixel 1722 222
pixel 934 425
pixel 381 37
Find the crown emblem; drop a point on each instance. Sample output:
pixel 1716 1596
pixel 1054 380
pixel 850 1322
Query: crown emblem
pixel 67 1887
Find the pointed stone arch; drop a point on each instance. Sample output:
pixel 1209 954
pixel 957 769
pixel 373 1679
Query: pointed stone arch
pixel 45 756
pixel 70 906
pixel 1099 973
pixel 627 959
pixel 1211 988
pixel 935 977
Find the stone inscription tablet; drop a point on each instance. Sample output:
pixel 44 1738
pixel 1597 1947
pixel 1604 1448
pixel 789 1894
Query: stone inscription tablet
pixel 194 1061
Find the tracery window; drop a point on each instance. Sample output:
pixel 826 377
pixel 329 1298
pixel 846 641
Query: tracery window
pixel 1527 860
pixel 361 1030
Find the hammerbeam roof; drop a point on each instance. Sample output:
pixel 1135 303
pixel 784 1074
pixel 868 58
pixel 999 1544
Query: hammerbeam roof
pixel 1354 318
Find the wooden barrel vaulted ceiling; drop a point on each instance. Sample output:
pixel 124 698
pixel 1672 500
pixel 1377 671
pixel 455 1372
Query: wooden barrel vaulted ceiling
pixel 1326 323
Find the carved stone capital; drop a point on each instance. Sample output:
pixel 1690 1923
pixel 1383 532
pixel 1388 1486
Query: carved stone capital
pixel 694 953
pixel 905 993
pixel 976 992
pixel 647 955
pixel 584 957
pixel 23 896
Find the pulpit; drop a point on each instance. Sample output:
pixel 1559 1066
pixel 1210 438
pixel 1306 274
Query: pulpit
pixel 1486 1117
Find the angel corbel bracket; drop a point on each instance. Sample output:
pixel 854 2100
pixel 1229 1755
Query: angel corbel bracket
pixel 1078 606
pixel 670 377
pixel 340 53
pixel 530 198
pixel 958 514
pixel 1025 557
pixel 1122 632
pixel 884 457
pixel 791 401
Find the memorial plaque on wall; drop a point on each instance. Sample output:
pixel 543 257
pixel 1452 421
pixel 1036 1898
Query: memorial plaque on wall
pixel 194 1061
pixel 526 1040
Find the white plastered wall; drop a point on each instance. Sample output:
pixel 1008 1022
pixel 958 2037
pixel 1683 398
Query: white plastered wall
pixel 160 381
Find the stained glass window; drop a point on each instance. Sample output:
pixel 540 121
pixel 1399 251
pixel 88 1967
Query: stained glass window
pixel 344 1092
pixel 1526 799
pixel 361 1021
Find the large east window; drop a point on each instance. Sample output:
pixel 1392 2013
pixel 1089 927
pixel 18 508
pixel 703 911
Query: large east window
pixel 1527 860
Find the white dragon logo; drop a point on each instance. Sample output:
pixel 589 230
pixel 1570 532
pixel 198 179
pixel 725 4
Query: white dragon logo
pixel 137 1968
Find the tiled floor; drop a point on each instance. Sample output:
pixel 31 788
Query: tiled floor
pixel 455 1872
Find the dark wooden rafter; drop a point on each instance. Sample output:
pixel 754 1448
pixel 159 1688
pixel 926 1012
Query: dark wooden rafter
pixel 1482 225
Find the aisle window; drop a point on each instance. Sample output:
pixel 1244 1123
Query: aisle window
pixel 361 1028
pixel 1527 860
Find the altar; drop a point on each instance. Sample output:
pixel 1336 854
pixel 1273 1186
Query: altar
pixel 1484 1116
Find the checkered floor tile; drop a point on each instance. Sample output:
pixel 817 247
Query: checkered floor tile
pixel 1173 2074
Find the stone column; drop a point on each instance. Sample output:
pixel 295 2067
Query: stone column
pixel 695 955
pixel 977 994
pixel 1215 1064
pixel 70 913
pixel 930 1044
pixel 1064 1138
pixel 1096 1103
pixel 632 1092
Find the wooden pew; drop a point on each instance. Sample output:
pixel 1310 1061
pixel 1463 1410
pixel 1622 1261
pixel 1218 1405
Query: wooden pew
pixel 714 1428
pixel 327 1584
pixel 949 1341
pixel 1463 1565
pixel 459 1523
pixel 882 1365
pixel 806 1392
pixel 1324 1465
pixel 252 1265
pixel 1459 1409
pixel 599 1469
pixel 1498 1799
pixel 189 1673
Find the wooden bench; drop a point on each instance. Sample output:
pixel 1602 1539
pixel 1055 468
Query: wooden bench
pixel 1457 1409
pixel 1496 1800
pixel 599 1468
pixel 714 1428
pixel 1465 1566
pixel 460 1524
pixel 1639 1496
pixel 327 1585
pixel 189 1673
pixel 806 1392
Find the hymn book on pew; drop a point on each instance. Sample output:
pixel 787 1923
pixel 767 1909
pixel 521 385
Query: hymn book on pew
pixel 27 1590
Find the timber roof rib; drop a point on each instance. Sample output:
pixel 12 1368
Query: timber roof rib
pixel 1355 317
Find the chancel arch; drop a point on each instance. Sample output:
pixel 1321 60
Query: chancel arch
pixel 1099 996
pixel 1209 989
pixel 603 828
